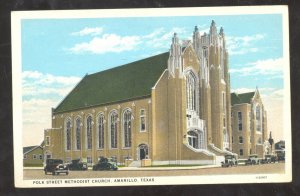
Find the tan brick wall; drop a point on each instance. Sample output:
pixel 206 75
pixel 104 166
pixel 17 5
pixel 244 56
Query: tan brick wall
pixel 160 118
pixel 166 129
pixel 57 137
pixel 245 132
pixel 252 134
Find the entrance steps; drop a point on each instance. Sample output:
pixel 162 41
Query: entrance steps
pixel 219 159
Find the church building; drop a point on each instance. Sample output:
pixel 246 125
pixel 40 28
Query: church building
pixel 172 108
pixel 249 125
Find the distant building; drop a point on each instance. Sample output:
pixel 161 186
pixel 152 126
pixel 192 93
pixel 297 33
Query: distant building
pixel 249 125
pixel 33 155
pixel 280 145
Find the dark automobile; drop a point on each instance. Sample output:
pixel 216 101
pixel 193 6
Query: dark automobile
pixel 269 159
pixel 105 164
pixel 76 164
pixel 280 155
pixel 230 160
pixel 252 160
pixel 56 166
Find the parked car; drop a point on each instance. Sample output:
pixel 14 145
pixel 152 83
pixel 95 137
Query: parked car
pixel 77 164
pixel 280 155
pixel 269 158
pixel 230 160
pixel 56 166
pixel 252 160
pixel 105 164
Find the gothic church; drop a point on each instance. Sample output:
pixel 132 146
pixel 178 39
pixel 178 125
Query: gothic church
pixel 172 108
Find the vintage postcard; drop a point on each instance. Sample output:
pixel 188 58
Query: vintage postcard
pixel 151 96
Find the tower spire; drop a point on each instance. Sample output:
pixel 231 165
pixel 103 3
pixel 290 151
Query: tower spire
pixel 175 59
pixel 213 32
pixel 222 31
pixel 197 41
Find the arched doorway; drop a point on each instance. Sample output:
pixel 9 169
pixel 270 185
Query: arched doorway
pixel 193 139
pixel 142 152
pixel 196 139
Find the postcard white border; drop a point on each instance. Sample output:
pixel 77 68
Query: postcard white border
pixel 17 16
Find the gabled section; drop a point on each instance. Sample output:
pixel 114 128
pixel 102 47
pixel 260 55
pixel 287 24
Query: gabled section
pixel 118 84
pixel 241 98
pixel 256 94
pixel 28 149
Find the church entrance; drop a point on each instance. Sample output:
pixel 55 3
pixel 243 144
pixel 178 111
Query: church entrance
pixel 196 139
pixel 193 139
pixel 142 151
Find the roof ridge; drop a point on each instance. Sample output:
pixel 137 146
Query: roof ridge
pixel 120 66
pixel 125 82
pixel 244 93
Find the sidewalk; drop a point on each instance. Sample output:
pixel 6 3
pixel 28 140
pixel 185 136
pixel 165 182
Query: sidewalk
pixel 147 168
pixel 166 168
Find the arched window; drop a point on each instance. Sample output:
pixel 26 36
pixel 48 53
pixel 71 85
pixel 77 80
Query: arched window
pixel 78 134
pixel 127 128
pixel 225 136
pixel 225 139
pixel 114 130
pixel 240 121
pixel 89 133
pixel 68 135
pixel 101 131
pixel 258 118
pixel 143 152
pixel 205 52
pixel 191 91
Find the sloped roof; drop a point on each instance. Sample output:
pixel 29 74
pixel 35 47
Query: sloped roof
pixel 130 81
pixel 28 148
pixel 241 98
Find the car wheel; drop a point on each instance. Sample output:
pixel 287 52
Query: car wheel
pixel 67 173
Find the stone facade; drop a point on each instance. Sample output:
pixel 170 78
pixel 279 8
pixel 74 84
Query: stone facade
pixel 249 125
pixel 185 119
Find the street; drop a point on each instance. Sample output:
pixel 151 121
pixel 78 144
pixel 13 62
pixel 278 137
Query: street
pixel 276 168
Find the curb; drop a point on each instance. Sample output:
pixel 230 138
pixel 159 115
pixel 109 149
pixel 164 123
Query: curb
pixel 145 168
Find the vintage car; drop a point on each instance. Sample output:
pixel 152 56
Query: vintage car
pixel 252 160
pixel 77 164
pixel 280 155
pixel 269 159
pixel 105 164
pixel 56 166
pixel 230 160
